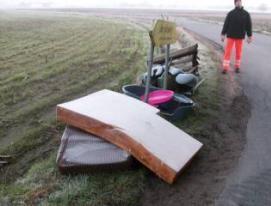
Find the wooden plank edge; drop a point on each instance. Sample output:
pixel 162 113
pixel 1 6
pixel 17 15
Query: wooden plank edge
pixel 191 50
pixel 120 139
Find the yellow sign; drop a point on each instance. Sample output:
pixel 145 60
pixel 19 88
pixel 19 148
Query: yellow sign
pixel 164 32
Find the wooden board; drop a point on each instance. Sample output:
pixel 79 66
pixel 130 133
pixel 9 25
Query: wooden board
pixel 135 127
pixel 191 50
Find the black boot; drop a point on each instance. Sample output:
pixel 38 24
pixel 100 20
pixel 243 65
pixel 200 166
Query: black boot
pixel 224 71
pixel 237 70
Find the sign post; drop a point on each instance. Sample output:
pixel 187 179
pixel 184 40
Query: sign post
pixel 150 63
pixel 163 33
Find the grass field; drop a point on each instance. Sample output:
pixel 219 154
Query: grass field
pixel 47 58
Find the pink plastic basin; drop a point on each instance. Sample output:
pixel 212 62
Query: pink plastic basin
pixel 159 97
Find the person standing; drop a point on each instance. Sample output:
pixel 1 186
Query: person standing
pixel 236 26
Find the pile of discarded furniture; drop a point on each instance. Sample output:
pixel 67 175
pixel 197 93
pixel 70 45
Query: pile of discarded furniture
pixel 108 130
pixel 181 83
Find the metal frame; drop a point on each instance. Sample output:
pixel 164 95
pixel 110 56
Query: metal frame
pixel 150 64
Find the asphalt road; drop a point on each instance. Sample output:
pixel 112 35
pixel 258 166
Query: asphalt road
pixel 250 183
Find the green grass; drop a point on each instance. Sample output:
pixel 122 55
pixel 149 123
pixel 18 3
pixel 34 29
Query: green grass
pixel 84 55
pixel 43 185
pixel 50 58
pixel 208 99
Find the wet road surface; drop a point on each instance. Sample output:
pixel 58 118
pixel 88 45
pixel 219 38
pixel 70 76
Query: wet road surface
pixel 250 182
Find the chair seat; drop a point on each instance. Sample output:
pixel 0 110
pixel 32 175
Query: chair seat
pixel 186 79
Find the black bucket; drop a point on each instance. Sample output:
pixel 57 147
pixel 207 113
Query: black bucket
pixel 176 109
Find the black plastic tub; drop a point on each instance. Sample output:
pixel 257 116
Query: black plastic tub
pixel 176 109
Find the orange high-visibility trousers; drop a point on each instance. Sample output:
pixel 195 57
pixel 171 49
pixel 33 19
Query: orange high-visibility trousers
pixel 239 50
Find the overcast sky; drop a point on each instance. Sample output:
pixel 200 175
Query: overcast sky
pixel 165 4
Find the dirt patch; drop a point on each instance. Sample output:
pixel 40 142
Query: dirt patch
pixel 223 136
